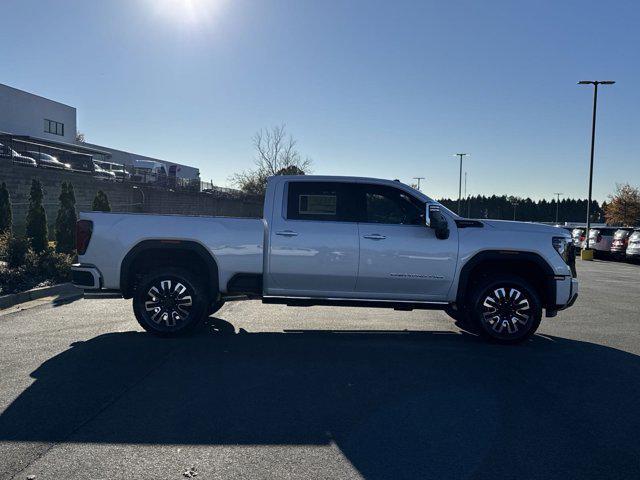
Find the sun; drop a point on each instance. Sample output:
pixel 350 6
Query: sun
pixel 189 12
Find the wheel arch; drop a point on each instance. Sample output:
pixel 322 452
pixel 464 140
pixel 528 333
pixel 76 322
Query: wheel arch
pixel 528 265
pixel 168 252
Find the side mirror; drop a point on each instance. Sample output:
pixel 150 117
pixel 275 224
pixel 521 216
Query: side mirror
pixel 435 220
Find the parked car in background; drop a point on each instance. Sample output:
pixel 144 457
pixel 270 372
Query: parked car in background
pixel 577 235
pixel 633 247
pixel 620 242
pixel 102 174
pixel 149 171
pixel 600 240
pixel 118 169
pixel 44 160
pixel 8 153
pixel 78 161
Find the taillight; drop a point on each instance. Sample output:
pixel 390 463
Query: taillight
pixel 84 229
pixel 599 238
pixel 582 237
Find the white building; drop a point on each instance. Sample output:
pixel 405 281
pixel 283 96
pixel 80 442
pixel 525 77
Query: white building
pixel 23 113
pixel 39 120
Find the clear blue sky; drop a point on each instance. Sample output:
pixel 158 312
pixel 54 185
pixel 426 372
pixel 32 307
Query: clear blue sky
pixel 387 89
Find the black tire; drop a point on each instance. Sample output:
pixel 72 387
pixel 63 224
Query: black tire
pixel 215 306
pixel 170 301
pixel 505 309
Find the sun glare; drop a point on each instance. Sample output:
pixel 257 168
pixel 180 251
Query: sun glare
pixel 186 12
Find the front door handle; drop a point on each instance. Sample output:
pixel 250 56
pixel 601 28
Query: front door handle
pixel 287 233
pixel 374 236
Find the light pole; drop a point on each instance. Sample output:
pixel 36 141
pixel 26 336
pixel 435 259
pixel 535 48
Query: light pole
pixel 418 179
pixel 558 204
pixel 460 182
pixel 514 202
pixel 595 84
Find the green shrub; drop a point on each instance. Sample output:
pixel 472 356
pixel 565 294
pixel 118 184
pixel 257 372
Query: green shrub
pixel 36 228
pixel 101 202
pixel 13 280
pixel 53 266
pixel 4 244
pixel 36 269
pixel 6 217
pixel 16 252
pixel 66 220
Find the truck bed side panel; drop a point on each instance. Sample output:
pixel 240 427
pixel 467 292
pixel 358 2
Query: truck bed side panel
pixel 236 244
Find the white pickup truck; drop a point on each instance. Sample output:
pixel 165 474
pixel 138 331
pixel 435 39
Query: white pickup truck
pixel 332 241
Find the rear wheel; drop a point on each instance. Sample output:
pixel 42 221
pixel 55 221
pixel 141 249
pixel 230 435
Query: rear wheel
pixel 170 302
pixel 506 309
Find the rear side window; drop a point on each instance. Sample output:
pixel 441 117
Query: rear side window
pixel 320 201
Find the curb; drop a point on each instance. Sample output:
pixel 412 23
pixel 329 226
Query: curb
pixel 67 289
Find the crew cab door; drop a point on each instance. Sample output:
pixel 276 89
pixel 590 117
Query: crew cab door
pixel 313 241
pixel 400 257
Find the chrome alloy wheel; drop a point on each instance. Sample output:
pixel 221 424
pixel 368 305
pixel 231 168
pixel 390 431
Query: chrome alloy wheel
pixel 506 312
pixel 168 303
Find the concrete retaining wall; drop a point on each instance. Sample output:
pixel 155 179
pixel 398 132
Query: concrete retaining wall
pixel 122 197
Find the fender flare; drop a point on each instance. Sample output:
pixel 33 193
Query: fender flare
pixel 146 245
pixel 505 256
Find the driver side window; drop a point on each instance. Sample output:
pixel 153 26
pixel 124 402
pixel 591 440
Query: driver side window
pixel 392 206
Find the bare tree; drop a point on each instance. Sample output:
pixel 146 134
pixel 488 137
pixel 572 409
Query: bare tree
pixel 276 154
pixel 79 137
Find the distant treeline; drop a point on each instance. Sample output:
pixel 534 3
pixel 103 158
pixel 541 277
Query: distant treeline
pixel 501 208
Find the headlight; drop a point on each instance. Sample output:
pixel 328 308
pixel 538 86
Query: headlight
pixel 561 245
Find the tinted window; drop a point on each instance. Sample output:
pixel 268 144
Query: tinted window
pixel 322 201
pixel 53 127
pixel 391 206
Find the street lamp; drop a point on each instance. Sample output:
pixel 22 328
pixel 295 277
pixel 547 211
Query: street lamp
pixel 558 204
pixel 595 84
pixel 514 202
pixel 418 179
pixel 460 182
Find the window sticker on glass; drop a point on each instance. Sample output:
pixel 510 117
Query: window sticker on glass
pixel 317 204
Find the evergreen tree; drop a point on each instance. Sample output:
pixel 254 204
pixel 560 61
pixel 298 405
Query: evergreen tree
pixel 101 202
pixel 66 220
pixel 6 217
pixel 36 229
pixel 500 208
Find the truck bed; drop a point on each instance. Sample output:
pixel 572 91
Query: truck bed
pixel 235 243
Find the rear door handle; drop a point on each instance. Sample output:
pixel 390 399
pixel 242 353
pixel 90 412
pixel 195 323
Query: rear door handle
pixel 374 236
pixel 287 233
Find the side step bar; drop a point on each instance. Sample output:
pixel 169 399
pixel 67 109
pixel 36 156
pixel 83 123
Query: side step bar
pixel 345 302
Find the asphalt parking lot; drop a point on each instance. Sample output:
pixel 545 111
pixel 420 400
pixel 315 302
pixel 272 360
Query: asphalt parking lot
pixel 276 392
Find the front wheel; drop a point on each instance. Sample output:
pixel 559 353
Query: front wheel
pixel 506 309
pixel 170 302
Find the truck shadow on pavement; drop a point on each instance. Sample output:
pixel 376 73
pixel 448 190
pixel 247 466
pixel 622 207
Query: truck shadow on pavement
pixel 397 404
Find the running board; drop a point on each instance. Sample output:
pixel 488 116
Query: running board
pixel 346 302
